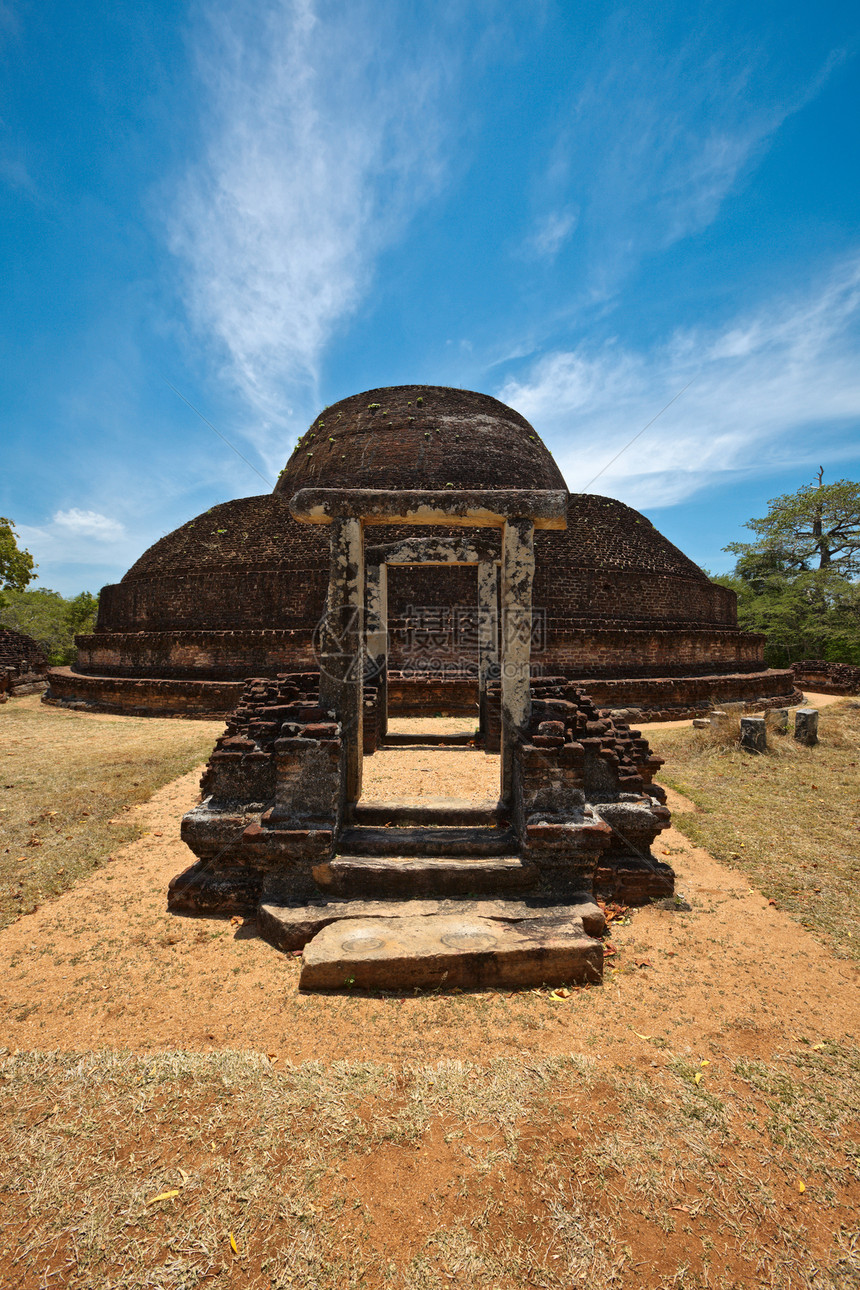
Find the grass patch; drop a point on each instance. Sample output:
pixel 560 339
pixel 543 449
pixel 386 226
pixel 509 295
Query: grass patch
pixel 369 1175
pixel 788 819
pixel 64 776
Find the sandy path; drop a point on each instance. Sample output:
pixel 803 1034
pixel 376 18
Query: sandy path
pixel 106 965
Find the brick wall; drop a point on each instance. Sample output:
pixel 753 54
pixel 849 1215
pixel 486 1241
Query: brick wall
pixel 211 655
pixel 143 697
pixel 827 678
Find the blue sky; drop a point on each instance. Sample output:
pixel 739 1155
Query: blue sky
pixel 579 208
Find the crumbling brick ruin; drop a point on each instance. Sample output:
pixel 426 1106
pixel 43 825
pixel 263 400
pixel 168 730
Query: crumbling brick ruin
pixel 23 665
pixel 826 678
pixel 389 894
pixel 239 590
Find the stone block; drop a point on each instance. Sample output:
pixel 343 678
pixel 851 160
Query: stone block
pixel 777 721
pixel 290 926
pixel 753 734
pixel 806 726
pixel 449 951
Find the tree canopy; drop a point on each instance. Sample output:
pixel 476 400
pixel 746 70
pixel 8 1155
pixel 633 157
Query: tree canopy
pixel 16 566
pixel 798 583
pixel 816 527
pixel 50 619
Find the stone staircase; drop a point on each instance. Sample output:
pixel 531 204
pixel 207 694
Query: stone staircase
pixel 433 896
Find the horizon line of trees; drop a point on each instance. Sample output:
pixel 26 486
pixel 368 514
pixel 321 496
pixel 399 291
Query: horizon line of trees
pixel 52 620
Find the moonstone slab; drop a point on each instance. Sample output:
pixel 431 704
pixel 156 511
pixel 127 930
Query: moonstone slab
pixel 448 951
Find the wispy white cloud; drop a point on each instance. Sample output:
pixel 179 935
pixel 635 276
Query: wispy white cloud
pixel 656 138
pixel 551 232
pixel 322 138
pixel 778 388
pixel 77 539
pixel 91 524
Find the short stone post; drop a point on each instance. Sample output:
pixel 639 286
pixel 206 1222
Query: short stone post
pixel 753 734
pixel 518 567
pixel 719 719
pixel 806 726
pixel 779 720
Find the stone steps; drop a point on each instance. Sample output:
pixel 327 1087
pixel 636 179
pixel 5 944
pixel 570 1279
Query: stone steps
pixel 427 840
pixel 428 741
pixel 450 811
pixel 443 951
pixel 290 926
pixel 408 876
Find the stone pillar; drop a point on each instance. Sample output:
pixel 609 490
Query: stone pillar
pixel 806 726
pixel 376 641
pixel 753 734
pixel 778 720
pixel 342 644
pixel 518 567
pixel 488 633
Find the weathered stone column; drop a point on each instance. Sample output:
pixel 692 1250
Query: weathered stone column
pixel 777 720
pixel 342 643
pixel 488 633
pixel 376 640
pixel 518 567
pixel 806 726
pixel 753 734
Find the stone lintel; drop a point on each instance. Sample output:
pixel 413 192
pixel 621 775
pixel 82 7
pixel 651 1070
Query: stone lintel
pixel 433 550
pixel 466 508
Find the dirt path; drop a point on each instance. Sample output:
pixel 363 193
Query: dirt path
pixel 106 965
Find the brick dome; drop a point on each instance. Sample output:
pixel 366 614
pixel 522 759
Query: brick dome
pixel 238 590
pixel 419 436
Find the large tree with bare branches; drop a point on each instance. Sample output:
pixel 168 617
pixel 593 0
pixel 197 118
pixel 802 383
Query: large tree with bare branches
pixel 818 527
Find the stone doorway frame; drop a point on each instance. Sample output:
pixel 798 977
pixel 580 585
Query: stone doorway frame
pixel 349 512
pixel 442 552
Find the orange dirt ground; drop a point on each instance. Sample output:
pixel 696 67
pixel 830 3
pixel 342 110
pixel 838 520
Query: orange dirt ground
pixel 105 965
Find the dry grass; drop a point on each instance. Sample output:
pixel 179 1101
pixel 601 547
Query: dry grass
pixel 789 819
pixel 65 776
pixel 612 1167
pixel 551 1173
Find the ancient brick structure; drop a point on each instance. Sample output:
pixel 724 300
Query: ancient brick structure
pixel 440 894
pixel 23 666
pixel 239 590
pixel 826 678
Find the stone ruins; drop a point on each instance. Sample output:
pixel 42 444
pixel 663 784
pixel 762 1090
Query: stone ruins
pixel 393 896
pixel 23 666
pixel 239 590
pixel 420 554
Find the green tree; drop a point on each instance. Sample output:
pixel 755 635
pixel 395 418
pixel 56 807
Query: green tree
pixel 816 527
pixel 16 566
pixel 798 583
pixel 50 619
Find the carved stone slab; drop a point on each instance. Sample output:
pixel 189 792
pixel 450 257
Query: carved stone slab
pixel 448 951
